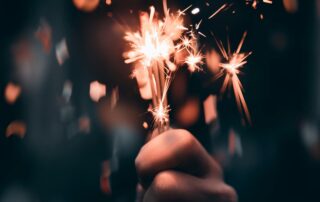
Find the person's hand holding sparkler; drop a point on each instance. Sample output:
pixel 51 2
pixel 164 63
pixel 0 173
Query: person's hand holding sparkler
pixel 174 167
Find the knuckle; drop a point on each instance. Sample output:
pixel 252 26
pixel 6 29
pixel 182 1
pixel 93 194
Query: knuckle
pixel 163 184
pixel 224 193
pixel 187 139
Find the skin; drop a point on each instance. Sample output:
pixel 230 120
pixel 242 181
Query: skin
pixel 174 167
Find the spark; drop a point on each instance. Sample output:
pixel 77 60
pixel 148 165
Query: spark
pixel 161 114
pixel 224 6
pixel 153 47
pixel 255 4
pixel 194 61
pixel 231 69
pixel 155 41
pixel 183 12
pixel 195 11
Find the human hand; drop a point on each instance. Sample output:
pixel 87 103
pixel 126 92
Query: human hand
pixel 174 167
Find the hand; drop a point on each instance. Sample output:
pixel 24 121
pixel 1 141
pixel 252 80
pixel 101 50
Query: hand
pixel 174 167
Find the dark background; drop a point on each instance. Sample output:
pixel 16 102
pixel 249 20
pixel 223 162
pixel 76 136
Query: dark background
pixel 278 161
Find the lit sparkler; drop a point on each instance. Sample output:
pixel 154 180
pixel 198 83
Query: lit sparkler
pixel 231 69
pixel 154 47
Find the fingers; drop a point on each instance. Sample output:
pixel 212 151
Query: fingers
pixel 173 186
pixel 174 150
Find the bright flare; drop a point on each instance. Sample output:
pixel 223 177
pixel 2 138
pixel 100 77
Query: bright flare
pixel 231 68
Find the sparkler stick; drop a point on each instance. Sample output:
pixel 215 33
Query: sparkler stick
pixel 153 48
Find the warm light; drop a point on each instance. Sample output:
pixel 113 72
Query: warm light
pixel 161 114
pixel 12 92
pixel 86 5
pixel 108 2
pixel 234 61
pixel 195 11
pixel 17 128
pixel 97 90
pixel 194 61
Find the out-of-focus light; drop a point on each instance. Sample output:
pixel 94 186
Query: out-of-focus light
pixel 210 109
pixel 86 5
pixel 235 146
pixel 12 92
pixel 67 90
pixel 189 113
pixel 44 35
pixel 279 40
pixel 291 6
pixel 97 91
pixel 105 178
pixel 195 11
pixel 141 75
pixel 311 138
pixel 84 124
pixel 213 60
pixel 310 134
pixel 114 97
pixel 108 2
pixel 145 125
pixel 17 128
pixel 62 52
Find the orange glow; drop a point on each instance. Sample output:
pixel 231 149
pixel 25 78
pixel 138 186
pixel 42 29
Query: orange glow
pixel 145 125
pixel 108 2
pixel 291 6
pixel 213 61
pixel 12 92
pixel 17 128
pixel 189 113
pixel 210 109
pixel 86 5
pixel 97 91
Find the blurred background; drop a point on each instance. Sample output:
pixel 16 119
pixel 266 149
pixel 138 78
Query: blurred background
pixel 72 119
